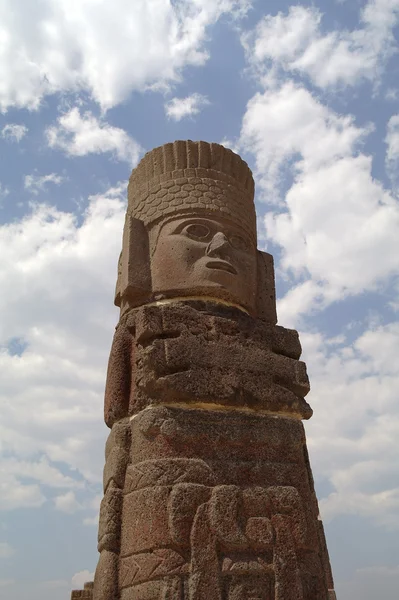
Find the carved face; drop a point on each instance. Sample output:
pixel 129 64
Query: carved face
pixel 205 257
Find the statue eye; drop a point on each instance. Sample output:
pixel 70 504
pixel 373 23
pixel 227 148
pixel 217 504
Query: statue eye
pixel 239 243
pixel 197 231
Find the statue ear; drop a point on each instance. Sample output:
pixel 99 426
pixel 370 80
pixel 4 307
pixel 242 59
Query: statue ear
pixel 133 286
pixel 266 290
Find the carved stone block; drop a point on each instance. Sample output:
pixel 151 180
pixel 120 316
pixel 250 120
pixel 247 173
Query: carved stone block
pixel 109 523
pixel 106 577
pixel 219 539
pixel 187 355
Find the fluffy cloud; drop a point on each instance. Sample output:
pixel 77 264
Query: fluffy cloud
pixel 335 217
pixel 295 42
pixel 37 183
pixel 79 579
pixel 40 471
pixel 53 356
pixel 287 123
pixel 14 494
pixel 178 108
pixel 353 440
pixel 65 45
pixel 14 132
pixel 78 135
pixel 67 503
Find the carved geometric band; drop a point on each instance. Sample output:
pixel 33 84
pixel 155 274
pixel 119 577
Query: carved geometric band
pixel 148 566
pixel 151 203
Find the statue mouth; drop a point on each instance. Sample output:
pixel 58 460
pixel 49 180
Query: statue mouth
pixel 221 265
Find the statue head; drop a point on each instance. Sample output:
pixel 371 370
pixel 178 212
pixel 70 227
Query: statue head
pixel 190 230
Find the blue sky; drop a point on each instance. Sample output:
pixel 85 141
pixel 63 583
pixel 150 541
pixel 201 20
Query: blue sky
pixel 308 94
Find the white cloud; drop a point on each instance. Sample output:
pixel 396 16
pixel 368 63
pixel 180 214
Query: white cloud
pixel 14 132
pixel 40 471
pixel 295 42
pixel 6 582
pixel 6 550
pixel 65 45
pixel 231 144
pixel 79 135
pixel 353 436
pixel 80 578
pixel 15 495
pixel 336 217
pixel 37 183
pixel 179 108
pixel 286 123
pixel 67 503
pixel 65 271
pixel 333 231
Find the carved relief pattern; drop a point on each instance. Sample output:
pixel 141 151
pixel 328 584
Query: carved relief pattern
pixel 183 353
pixel 218 540
pixel 230 538
pixel 205 176
pixel 109 531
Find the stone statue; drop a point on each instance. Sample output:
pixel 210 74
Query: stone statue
pixel 208 492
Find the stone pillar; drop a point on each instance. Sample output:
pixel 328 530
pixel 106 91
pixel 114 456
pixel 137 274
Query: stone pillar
pixel 208 492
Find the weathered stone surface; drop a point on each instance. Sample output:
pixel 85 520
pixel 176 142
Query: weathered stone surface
pixel 201 352
pixel 262 534
pixel 78 594
pixel 134 275
pixel 86 593
pixel 119 385
pixel 109 523
pixel 117 454
pixel 106 577
pixel 208 491
pixel 143 567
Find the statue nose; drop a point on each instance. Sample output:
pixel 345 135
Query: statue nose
pixel 217 243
